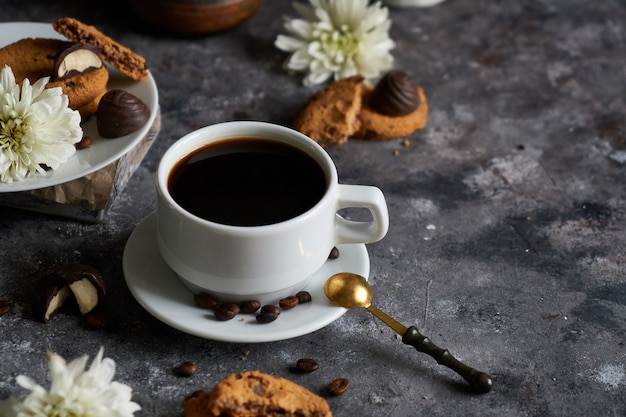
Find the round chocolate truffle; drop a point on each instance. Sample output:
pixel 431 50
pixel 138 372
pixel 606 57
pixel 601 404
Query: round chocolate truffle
pixel 120 113
pixel 395 95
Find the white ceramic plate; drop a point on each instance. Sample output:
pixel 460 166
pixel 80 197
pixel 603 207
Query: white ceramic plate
pixel 104 151
pixel 157 288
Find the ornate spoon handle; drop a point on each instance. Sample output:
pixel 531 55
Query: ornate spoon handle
pixel 480 381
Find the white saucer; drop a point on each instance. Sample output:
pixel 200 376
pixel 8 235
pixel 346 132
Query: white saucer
pixel 157 288
pixel 104 151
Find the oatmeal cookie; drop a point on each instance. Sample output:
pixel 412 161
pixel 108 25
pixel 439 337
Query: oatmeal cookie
pixel 252 393
pixel 330 116
pixel 377 126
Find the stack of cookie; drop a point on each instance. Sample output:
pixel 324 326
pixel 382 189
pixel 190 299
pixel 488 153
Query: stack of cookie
pixel 75 65
pixel 394 108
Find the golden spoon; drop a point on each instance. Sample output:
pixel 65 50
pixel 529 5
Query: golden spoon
pixel 352 291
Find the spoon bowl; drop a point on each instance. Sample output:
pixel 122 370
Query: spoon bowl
pixel 348 290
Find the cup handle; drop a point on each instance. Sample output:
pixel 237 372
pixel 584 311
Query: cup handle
pixel 361 196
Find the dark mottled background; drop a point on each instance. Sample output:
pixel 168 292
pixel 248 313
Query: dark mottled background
pixel 507 238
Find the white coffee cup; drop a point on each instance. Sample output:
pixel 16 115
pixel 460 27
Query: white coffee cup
pixel 267 262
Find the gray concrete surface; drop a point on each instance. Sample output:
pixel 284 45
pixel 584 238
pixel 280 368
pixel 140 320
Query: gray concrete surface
pixel 507 238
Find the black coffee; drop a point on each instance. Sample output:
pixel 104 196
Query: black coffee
pixel 247 182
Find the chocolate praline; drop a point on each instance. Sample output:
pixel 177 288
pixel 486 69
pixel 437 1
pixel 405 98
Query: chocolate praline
pixel 395 95
pixel 120 113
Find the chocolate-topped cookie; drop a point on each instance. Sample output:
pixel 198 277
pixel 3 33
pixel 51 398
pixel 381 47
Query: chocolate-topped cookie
pixel 394 108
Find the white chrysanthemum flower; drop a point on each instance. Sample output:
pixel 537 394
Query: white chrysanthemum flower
pixel 74 391
pixel 36 127
pixel 338 39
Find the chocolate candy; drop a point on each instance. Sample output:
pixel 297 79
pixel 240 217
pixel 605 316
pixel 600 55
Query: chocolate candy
pixel 51 292
pixel 395 95
pixel 80 281
pixel 120 113
pixel 79 58
pixel 86 283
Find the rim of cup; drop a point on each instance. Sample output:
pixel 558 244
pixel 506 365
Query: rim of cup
pixel 201 137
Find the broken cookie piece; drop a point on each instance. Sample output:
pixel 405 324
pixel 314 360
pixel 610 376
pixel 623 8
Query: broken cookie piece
pixel 330 116
pixel 254 393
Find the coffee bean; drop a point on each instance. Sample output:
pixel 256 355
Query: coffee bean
pixel 334 253
pixel 227 311
pixel 269 313
pixel 205 301
pixel 4 307
pixel 84 143
pixel 270 308
pixel 303 297
pixel 266 317
pixel 250 306
pixel 185 369
pixel 307 365
pixel 338 386
pixel 288 303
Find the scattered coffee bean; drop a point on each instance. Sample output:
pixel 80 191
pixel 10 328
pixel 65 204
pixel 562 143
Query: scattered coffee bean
pixel 96 321
pixel 288 303
pixel 4 307
pixel 84 143
pixel 303 297
pixel 334 253
pixel 307 365
pixel 269 313
pixel 185 369
pixel 270 308
pixel 250 306
pixel 227 311
pixel 338 386
pixel 205 301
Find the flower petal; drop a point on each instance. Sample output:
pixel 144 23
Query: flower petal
pixel 288 43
